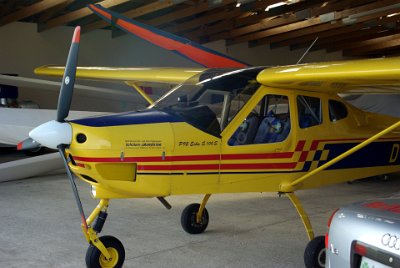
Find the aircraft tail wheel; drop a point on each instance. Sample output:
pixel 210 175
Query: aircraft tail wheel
pixel 315 253
pixel 188 219
pixel 95 259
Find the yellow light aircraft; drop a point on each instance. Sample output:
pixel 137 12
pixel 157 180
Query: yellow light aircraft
pixel 253 129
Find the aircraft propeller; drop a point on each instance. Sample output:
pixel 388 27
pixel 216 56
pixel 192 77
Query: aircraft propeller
pixel 54 133
pixel 57 134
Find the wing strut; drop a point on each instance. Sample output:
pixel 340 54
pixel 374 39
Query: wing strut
pixel 290 187
pixel 140 91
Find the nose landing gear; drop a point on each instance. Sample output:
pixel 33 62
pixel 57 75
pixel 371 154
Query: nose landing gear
pixel 95 258
pixel 106 251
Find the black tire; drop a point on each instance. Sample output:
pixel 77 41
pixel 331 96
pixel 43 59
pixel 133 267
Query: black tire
pixel 95 259
pixel 315 253
pixel 188 219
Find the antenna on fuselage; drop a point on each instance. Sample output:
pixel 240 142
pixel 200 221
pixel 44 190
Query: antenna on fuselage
pixel 308 49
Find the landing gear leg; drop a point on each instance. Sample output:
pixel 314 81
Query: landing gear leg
pixel 105 251
pixel 315 252
pixel 194 218
pixel 302 213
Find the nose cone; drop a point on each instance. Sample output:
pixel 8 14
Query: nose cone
pixel 52 134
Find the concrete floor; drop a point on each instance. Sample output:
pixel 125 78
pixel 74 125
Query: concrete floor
pixel 40 225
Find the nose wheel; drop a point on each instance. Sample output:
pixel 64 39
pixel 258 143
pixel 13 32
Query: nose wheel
pixel 116 251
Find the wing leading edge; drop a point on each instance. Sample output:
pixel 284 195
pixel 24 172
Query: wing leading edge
pixel 354 76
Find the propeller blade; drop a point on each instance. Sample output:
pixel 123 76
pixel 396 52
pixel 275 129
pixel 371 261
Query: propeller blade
pixel 28 144
pixel 67 86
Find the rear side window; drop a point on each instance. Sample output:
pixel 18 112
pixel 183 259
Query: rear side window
pixel 309 110
pixel 337 110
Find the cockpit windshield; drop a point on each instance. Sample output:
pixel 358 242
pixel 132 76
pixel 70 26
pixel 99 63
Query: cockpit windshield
pixel 211 99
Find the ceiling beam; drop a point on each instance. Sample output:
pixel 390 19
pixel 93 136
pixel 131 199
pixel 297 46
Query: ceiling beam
pixel 30 10
pixel 45 16
pixel 78 14
pixel 304 41
pixel 350 40
pixel 266 37
pixel 373 45
pixel 225 13
pixel 327 38
pixel 184 13
pixel 269 20
pixel 187 12
pixel 137 12
pixel 224 29
pixel 358 41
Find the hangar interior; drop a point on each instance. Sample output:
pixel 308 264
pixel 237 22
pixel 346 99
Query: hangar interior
pixel 39 219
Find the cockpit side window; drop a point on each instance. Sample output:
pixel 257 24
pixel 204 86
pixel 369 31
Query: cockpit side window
pixel 269 122
pixel 337 110
pixel 309 111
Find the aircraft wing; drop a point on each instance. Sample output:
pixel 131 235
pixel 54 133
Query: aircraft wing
pixel 200 54
pixel 161 75
pixel 356 76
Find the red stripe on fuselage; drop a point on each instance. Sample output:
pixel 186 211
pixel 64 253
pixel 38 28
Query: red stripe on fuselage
pixel 300 146
pixel 182 158
pixel 217 167
pixel 257 156
pixel 177 167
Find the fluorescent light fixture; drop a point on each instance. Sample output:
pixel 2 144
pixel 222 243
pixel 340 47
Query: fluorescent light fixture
pixel 275 5
pixel 238 4
pixel 393 14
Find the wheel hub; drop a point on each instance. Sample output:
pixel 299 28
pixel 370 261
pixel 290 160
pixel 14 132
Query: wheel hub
pixel 112 261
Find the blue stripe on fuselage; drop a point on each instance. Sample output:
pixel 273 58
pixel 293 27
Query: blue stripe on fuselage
pixel 375 154
pixel 132 118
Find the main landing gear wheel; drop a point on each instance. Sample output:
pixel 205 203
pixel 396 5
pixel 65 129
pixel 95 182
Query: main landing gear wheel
pixel 315 253
pixel 95 259
pixel 188 219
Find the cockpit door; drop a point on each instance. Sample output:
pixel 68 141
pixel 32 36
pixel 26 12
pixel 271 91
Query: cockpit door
pixel 257 141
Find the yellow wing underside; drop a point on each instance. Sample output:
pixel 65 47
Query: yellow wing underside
pixel 353 76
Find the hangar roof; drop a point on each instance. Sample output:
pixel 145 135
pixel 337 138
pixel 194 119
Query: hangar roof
pixel 358 28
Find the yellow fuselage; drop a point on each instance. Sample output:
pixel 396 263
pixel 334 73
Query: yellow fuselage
pixel 161 158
